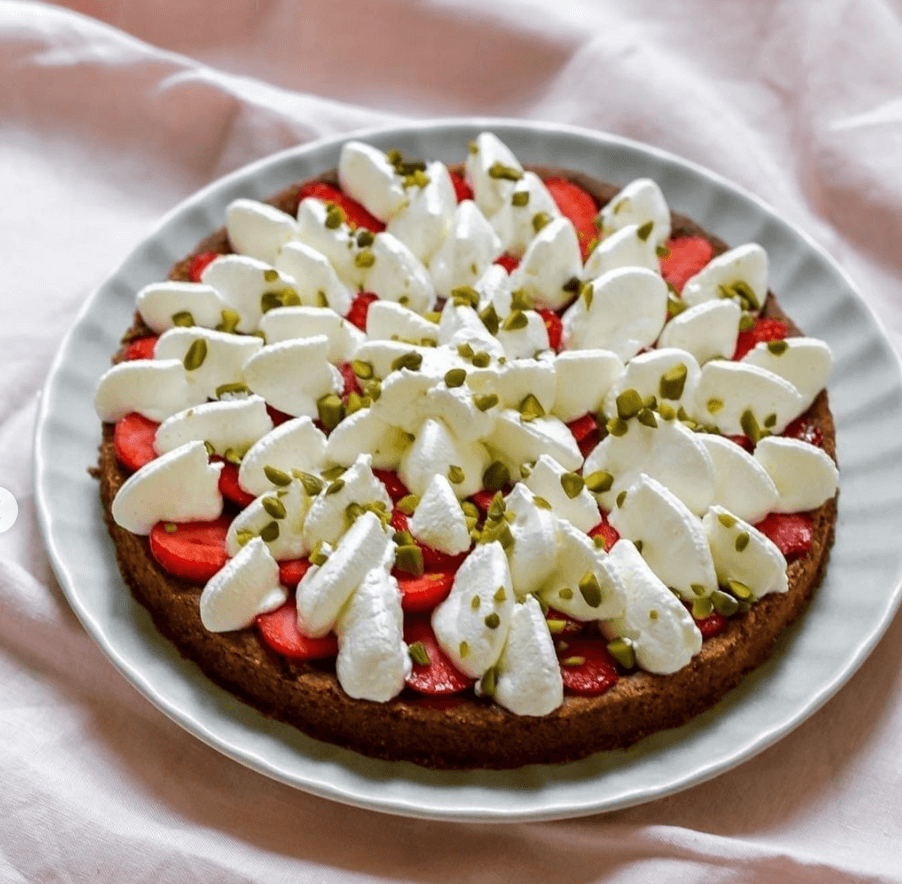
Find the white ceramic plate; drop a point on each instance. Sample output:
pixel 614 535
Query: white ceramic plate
pixel 813 660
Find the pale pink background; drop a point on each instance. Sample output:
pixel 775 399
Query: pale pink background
pixel 111 112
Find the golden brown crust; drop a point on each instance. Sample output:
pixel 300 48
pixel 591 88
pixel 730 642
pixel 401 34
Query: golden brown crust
pixel 464 732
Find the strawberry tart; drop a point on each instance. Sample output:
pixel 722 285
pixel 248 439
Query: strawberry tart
pixel 472 466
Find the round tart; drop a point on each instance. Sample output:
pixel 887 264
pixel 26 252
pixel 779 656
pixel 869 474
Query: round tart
pixel 561 488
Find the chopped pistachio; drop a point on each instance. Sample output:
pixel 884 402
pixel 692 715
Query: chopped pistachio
pixel 336 486
pixel 724 603
pixel 573 484
pixel 196 355
pixel 629 404
pixel 506 173
pixel 590 589
pixel 617 426
pixel 489 682
pixel 418 653
pixel 726 520
pixel 463 649
pixel 455 377
pixel 465 296
pixel 362 369
pixel 750 426
pixel 621 499
pixel 481 359
pixel 364 259
pixel 318 555
pixel 408 504
pixel 565 593
pixel 742 541
pixel 312 484
pixel 330 410
pixel 274 507
pixel 530 408
pixel 697 589
pixel 621 649
pixel 644 232
pixel 244 536
pixel 409 558
pixel 465 351
pixel 575 660
pixel 646 417
pixel 475 602
pixel 702 607
pixel 516 320
pixel 599 481
pixel 411 360
pixel 183 319
pixel 270 532
pixel 334 216
pixel 740 590
pixel 486 401
pixel 455 474
pixel 496 476
pixel 673 382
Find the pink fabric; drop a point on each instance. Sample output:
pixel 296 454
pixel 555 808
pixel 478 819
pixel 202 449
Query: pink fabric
pixel 111 112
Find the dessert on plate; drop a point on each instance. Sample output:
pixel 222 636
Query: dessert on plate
pixel 472 465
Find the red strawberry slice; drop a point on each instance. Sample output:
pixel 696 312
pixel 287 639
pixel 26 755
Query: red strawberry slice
pixel 508 262
pixel 356 214
pixel 742 442
pixel 713 624
pixel 393 485
pixel 192 551
pixel 421 594
pixel 292 570
pixel 199 263
pixel 586 433
pixel 686 255
pixel 439 676
pixel 587 667
pixel 554 327
pixel 805 429
pixel 228 483
pixel 462 190
pixel 133 438
pixel 483 499
pixel 606 530
pixel 764 329
pixel 579 206
pixel 279 630
pixel 359 309
pixel 276 416
pixel 793 533
pixel 140 348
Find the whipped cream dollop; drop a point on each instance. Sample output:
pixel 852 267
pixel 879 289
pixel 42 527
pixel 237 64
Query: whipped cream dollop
pixel 453 384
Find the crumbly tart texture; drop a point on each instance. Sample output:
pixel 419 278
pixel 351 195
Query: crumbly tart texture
pixel 464 731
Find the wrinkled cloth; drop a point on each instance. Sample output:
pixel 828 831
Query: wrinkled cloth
pixel 112 112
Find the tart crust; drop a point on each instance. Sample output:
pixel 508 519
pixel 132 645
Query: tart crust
pixel 463 731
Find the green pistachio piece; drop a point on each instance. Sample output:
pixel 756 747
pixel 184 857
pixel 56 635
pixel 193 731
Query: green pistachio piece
pixel 274 507
pixel 507 173
pixel 496 476
pixel 418 653
pixel 270 532
pixel 330 410
pixel 621 649
pixel 644 232
pixel 455 377
pixel 455 474
pixel 590 589
pixel 573 484
pixel 485 402
pixel 673 382
pixel 530 408
pixel 516 320
pixel 411 361
pixel 196 355
pixel 599 481
pixel 629 404
pixel 409 559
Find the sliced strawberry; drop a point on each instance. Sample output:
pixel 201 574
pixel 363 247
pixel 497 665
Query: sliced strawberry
pixel 793 533
pixel 359 308
pixel 356 214
pixel 352 384
pixel 279 629
pixel 764 329
pixel 587 667
pixel 462 190
pixel 554 327
pixel 579 206
pixel 712 625
pixel 508 262
pixel 199 263
pixel 140 348
pixel 439 676
pixel 805 429
pixel 393 485
pixel 292 570
pixel 686 255
pixel 606 530
pixel 585 431
pixel 228 483
pixel 193 551
pixel 133 438
pixel 421 594
pixel 276 416
pixel 742 442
